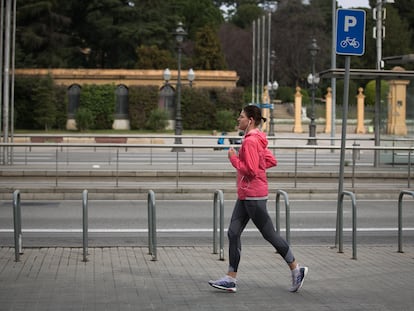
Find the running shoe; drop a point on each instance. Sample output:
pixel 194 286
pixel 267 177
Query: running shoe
pixel 224 284
pixel 297 280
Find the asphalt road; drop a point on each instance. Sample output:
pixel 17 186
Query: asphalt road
pixel 190 222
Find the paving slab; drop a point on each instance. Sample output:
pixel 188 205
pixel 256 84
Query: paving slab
pixel 126 278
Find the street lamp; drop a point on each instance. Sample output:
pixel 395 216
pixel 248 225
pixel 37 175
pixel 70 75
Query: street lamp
pixel 272 88
pixel 166 75
pixel 313 80
pixel 191 76
pixel 179 33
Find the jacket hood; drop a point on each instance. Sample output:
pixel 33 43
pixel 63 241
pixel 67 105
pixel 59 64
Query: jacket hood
pixel 261 137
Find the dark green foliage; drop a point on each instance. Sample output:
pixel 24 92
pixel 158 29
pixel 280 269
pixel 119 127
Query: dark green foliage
pixel 84 119
pixel 200 106
pixel 23 102
pixel 35 103
pixel 286 94
pixel 100 100
pixel 61 93
pixel 208 54
pixel 370 90
pixel 45 101
pixel 151 57
pixel 197 110
pixel 157 120
pixel 142 100
pixel 225 120
pixel 353 91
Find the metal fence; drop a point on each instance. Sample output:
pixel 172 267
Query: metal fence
pixel 119 160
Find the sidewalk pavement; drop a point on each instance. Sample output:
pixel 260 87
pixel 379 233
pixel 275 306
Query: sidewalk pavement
pixel 125 278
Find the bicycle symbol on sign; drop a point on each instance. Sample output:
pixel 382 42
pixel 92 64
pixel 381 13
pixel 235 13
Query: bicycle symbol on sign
pixel 351 42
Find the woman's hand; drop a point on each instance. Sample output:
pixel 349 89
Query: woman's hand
pixel 231 152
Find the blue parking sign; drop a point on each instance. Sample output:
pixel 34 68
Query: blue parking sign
pixel 350 32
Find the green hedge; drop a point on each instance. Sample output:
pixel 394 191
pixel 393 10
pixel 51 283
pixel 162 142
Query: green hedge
pixel 100 100
pixel 41 104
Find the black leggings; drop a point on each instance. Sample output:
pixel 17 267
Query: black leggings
pixel 256 210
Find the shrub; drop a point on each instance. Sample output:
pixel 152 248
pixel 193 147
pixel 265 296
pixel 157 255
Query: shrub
pixel 142 100
pixel 286 94
pixel 225 120
pixel 84 119
pixel 158 120
pixel 100 100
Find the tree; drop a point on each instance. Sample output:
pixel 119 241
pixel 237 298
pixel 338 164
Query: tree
pixel 41 39
pixel 151 57
pixel 245 15
pixel 207 50
pixel 237 48
pixel 45 102
pixel 295 25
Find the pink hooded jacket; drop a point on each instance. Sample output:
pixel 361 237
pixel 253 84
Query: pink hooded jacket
pixel 251 164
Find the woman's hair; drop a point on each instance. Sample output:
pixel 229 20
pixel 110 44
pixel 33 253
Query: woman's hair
pixel 252 111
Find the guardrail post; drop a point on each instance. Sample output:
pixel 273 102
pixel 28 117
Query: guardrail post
pixel 85 224
pixel 409 169
pixel 341 223
pixel 117 167
pixel 296 167
pixel 356 154
pixel 218 200
pixel 152 226
pixel 400 197
pixel 287 208
pixel 17 220
pixel 56 168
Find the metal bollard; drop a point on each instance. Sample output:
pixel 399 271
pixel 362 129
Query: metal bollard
pixel 400 197
pixel 152 226
pixel 218 203
pixel 17 220
pixel 287 209
pixel 85 224
pixel 341 224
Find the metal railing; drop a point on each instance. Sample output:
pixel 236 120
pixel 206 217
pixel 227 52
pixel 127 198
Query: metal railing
pixel 400 220
pixel 82 159
pixel 85 224
pixel 152 226
pixel 340 224
pixel 218 203
pixel 17 222
pixel 283 193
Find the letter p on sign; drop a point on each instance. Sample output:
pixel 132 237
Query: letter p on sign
pixel 350 21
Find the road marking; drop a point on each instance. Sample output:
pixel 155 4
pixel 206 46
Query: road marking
pixel 183 230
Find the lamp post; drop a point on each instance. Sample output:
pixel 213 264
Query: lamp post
pixel 313 80
pixel 272 88
pixel 379 16
pixel 179 33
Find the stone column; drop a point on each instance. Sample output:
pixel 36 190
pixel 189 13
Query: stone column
pixel 390 120
pixel 398 104
pixel 328 110
pixel 360 129
pixel 265 111
pixel 298 111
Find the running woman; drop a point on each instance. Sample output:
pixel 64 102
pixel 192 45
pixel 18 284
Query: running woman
pixel 252 190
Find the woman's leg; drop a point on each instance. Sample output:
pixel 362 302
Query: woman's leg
pixel 258 213
pixel 238 222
